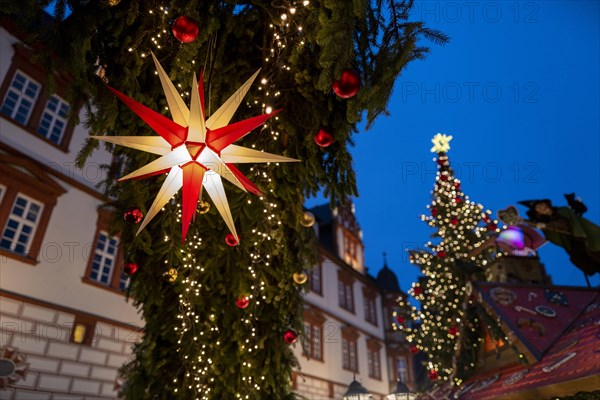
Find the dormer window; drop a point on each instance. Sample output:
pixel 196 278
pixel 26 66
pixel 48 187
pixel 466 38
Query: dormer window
pixel 352 250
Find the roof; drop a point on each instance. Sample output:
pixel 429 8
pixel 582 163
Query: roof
pixel 322 213
pixel 387 280
pixel 563 347
pixel 324 218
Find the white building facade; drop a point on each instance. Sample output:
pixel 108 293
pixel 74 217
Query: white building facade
pixel 62 306
pixel 348 317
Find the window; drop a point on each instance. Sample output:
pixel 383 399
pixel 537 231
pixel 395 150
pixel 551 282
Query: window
pixel 104 268
pixel 314 333
pixel 54 119
pixel 26 203
pixel 374 363
pixel 315 279
pixel 105 257
pixel 21 224
pixel 349 356
pixel 349 248
pixel 352 250
pixel 370 305
pixel 20 98
pixel 345 296
pixel 24 102
pixel 402 369
pixel 83 331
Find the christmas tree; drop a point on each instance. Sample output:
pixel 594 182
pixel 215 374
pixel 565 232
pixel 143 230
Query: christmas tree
pixel 448 326
pixel 220 315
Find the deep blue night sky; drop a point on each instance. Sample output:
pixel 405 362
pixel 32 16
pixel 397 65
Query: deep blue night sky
pixel 518 88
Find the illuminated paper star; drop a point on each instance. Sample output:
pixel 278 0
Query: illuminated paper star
pixel 194 151
pixel 441 143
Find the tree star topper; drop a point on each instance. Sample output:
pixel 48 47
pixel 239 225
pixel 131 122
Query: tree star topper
pixel 441 143
pixel 196 152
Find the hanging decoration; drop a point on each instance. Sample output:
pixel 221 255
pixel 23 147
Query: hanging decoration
pixel 231 240
pixel 185 29
pixel 133 215
pixel 300 277
pixel 13 367
pixel 348 84
pixel 323 138
pixel 308 219
pixel 453 331
pixel 290 336
pixel 242 301
pixel 433 375
pixel 195 152
pixel 203 207
pixel 171 275
pixel 130 268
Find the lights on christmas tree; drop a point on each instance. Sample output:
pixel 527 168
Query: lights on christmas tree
pixel 462 227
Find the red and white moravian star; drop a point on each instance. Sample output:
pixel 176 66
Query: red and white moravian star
pixel 196 152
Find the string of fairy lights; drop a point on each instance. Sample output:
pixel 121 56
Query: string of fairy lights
pixel 193 330
pixel 439 326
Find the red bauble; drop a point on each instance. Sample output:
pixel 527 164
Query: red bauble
pixel 323 138
pixel 457 185
pixel 400 319
pixel 434 211
pixel 130 268
pixel 242 302
pixel 348 84
pixel 491 227
pixel 454 221
pixel 453 331
pixel 185 29
pixel 417 291
pixel 290 336
pixel 441 254
pixel 440 161
pixel 414 349
pixel 444 178
pixel 231 240
pixel 433 375
pixel 457 199
pixel 133 215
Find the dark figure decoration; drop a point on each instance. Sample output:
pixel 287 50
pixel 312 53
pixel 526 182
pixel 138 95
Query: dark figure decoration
pixel 565 227
pixel 575 204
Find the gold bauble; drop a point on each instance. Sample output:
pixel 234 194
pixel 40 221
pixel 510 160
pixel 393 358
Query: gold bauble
pixel 300 277
pixel 203 207
pixel 308 219
pixel 171 275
